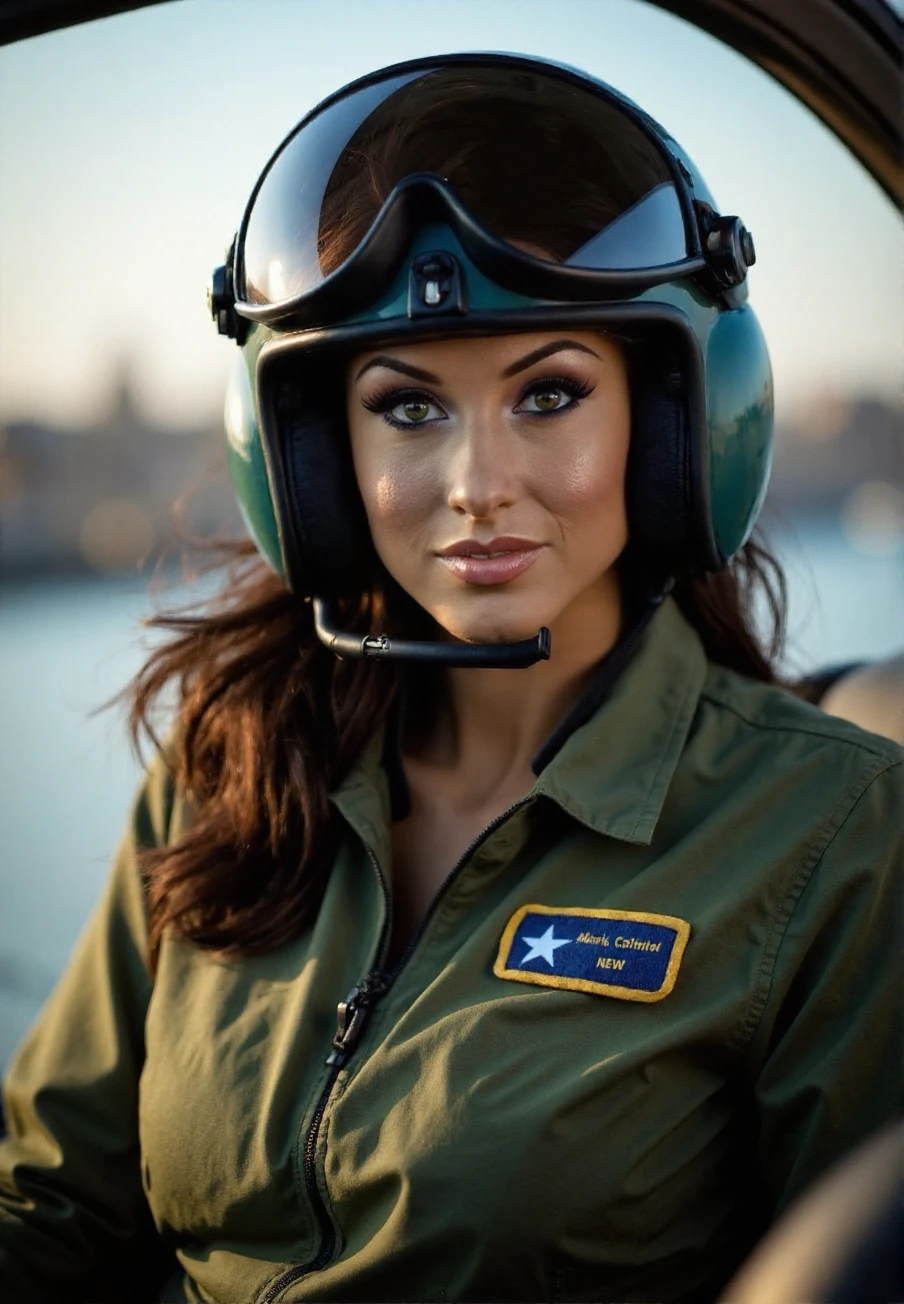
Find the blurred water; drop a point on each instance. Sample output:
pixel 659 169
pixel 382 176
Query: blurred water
pixel 67 776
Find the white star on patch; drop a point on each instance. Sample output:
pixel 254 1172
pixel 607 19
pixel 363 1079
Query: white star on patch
pixel 542 948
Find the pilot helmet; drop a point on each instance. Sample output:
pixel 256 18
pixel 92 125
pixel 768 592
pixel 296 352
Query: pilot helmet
pixel 470 194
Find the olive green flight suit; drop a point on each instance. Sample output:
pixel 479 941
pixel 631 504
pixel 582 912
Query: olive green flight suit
pixel 553 1096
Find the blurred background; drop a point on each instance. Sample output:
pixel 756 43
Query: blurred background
pixel 128 148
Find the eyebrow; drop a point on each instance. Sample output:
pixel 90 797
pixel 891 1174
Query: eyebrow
pixel 417 373
pixel 392 364
pixel 544 352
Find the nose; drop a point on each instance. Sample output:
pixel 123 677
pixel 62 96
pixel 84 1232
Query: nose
pixel 482 471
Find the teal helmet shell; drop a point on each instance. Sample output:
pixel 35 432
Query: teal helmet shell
pixel 245 454
pixel 701 386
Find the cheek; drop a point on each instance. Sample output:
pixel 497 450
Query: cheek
pixel 397 495
pixel 586 480
pixel 392 498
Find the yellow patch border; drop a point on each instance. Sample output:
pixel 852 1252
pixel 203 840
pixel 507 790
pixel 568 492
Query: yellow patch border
pixel 682 933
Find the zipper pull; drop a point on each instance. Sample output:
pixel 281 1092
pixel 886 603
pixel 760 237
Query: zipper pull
pixel 352 1015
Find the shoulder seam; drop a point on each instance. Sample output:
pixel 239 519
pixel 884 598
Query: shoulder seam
pixel 882 752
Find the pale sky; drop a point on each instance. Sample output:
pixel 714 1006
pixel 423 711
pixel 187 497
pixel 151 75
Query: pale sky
pixel 128 148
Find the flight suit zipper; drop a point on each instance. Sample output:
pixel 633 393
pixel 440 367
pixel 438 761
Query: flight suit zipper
pixel 353 1014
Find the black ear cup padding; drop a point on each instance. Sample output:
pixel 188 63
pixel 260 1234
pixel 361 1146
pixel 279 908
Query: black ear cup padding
pixel 658 484
pixel 326 541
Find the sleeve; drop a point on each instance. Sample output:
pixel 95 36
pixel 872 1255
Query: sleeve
pixel 829 1045
pixel 74 1222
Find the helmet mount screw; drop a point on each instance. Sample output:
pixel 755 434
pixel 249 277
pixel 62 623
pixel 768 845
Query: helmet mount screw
pixel 436 286
pixel 747 247
pixel 221 300
pixel 729 246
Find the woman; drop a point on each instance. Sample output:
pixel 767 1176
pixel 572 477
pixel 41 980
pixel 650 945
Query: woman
pixel 540 946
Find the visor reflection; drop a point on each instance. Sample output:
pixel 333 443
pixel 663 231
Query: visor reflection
pixel 537 159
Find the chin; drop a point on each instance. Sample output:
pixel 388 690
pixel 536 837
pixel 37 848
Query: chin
pixel 486 628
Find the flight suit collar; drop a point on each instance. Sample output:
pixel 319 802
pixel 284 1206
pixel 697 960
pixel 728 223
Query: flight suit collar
pixel 612 773
pixel 364 799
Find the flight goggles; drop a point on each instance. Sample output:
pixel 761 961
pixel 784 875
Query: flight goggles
pixel 502 149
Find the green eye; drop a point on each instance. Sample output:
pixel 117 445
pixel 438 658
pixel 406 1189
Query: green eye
pixel 550 396
pixel 415 412
pixel 404 408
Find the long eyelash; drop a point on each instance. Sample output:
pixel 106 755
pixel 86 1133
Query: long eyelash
pixel 384 400
pixel 575 389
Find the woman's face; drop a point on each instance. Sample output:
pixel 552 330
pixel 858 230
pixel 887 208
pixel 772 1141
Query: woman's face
pixel 493 475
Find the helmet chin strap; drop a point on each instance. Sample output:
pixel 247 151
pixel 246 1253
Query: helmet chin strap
pixel 502 656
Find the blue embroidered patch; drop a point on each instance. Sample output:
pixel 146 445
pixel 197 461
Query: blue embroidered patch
pixel 623 953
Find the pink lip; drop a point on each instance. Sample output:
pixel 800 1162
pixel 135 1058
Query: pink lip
pixel 516 556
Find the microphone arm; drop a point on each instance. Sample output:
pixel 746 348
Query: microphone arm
pixel 502 656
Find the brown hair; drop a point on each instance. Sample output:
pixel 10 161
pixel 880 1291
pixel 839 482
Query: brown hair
pixel 268 721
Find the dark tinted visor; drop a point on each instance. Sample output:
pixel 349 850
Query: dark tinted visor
pixel 544 161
